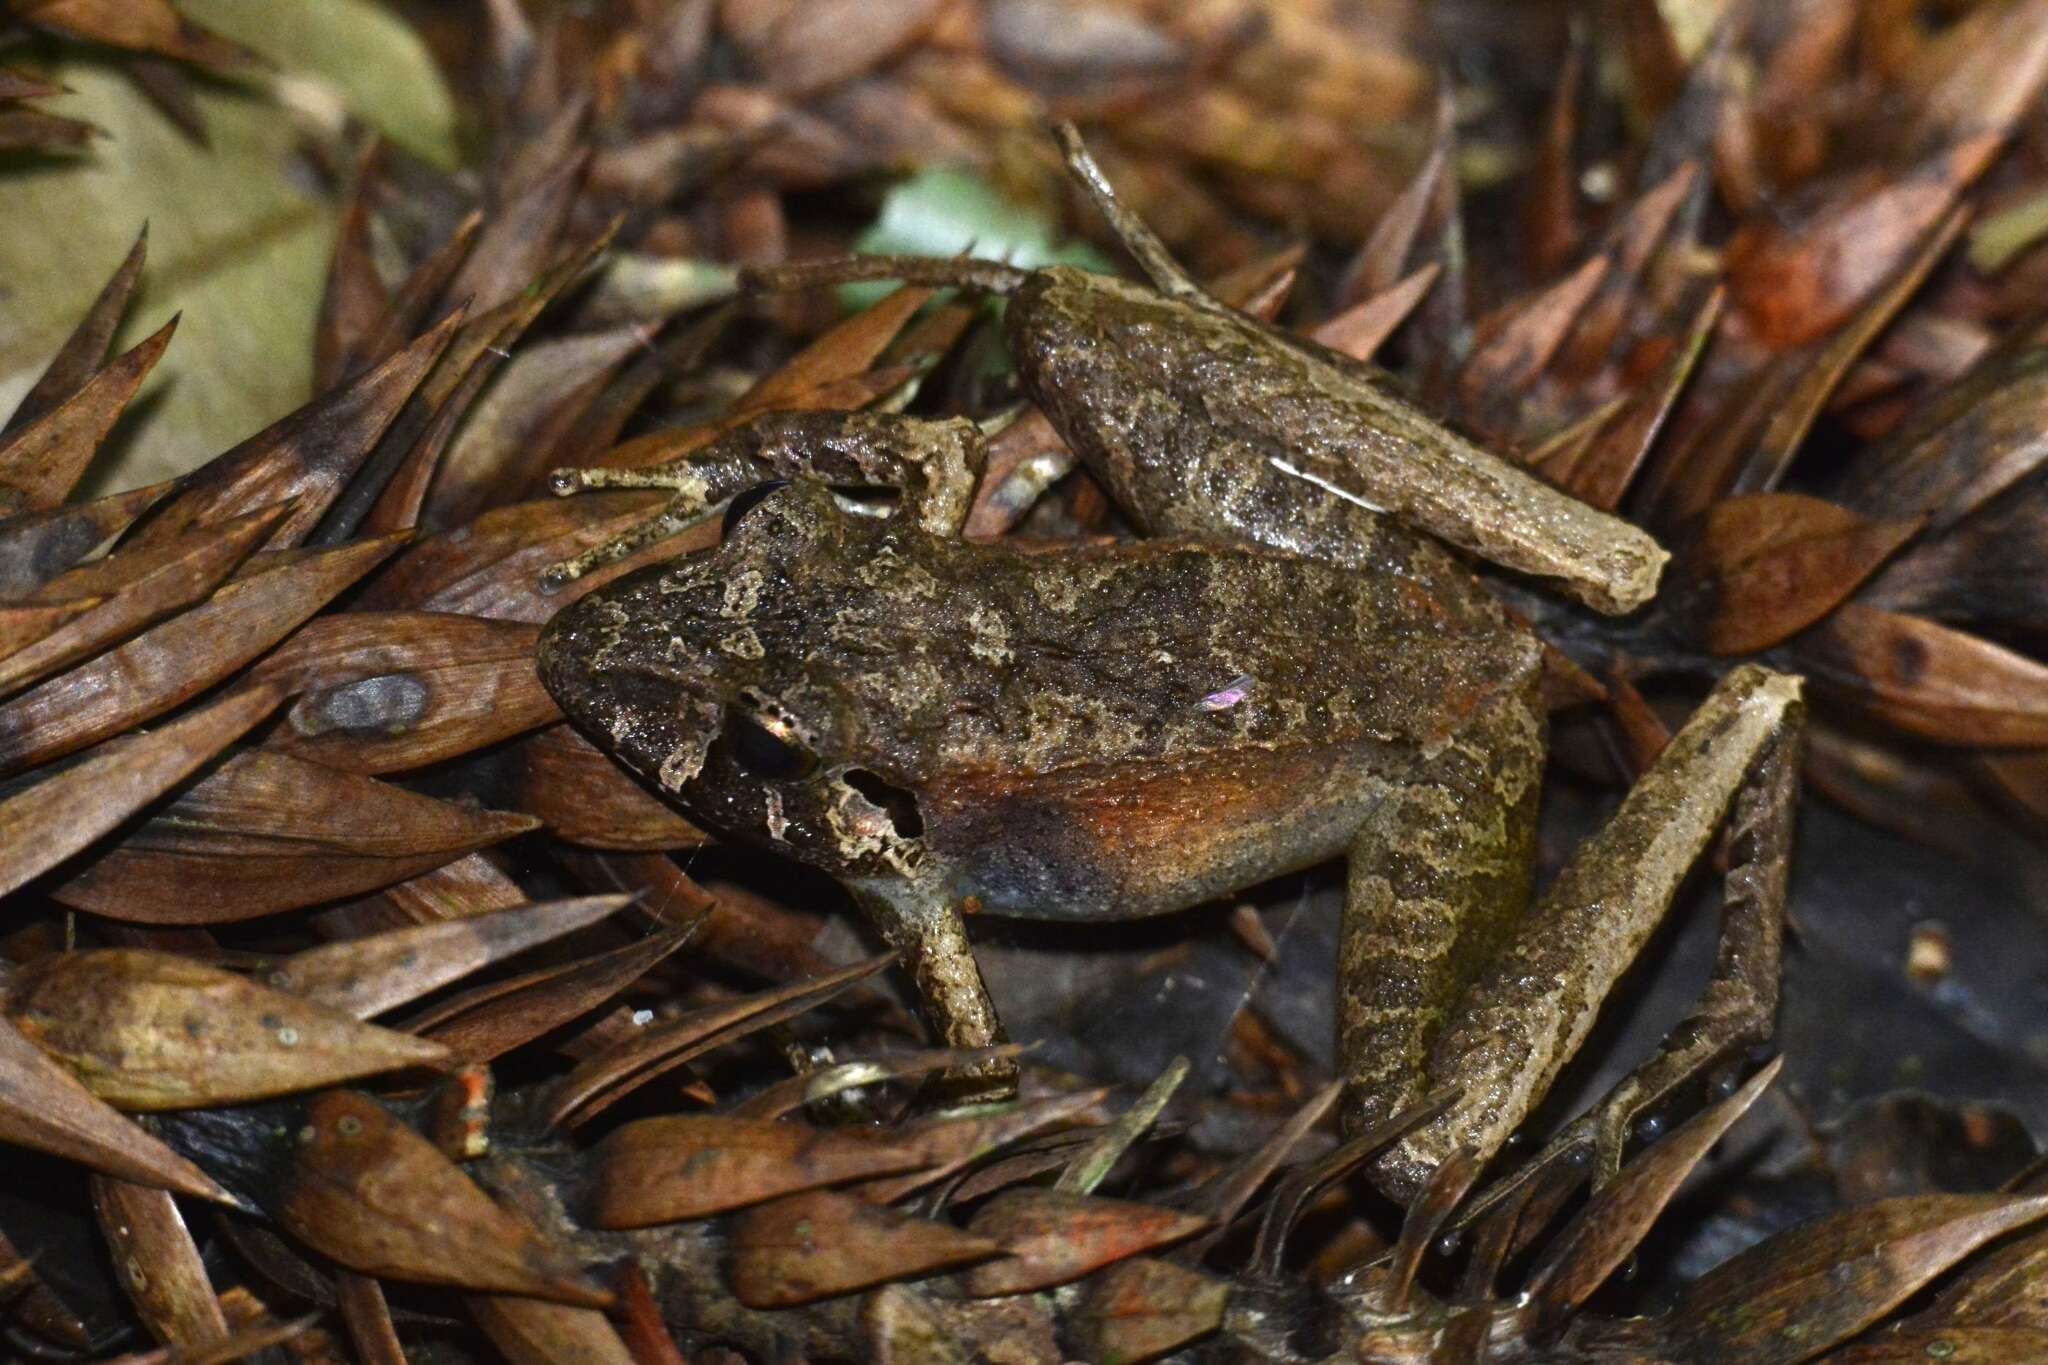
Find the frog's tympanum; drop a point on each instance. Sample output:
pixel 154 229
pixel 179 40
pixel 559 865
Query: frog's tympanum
pixel 1287 672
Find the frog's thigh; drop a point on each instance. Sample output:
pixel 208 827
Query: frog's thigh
pixel 1439 877
pixel 1523 1018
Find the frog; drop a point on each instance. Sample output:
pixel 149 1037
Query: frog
pixel 1292 664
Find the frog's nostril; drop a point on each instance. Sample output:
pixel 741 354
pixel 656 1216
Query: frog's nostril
pixel 898 804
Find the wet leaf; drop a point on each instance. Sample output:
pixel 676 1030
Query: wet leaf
pixel 787 1096
pixel 1053 1237
pixel 266 832
pixel 175 661
pixel 158 1264
pixel 1093 1164
pixel 1764 566
pixel 388 691
pixel 1142 1308
pixel 818 1245
pixel 57 817
pixel 1927 679
pixel 374 1195
pixel 147 1030
pixel 365 977
pixel 586 798
pixel 42 459
pixel 951 1145
pixel 1515 345
pixel 44 1106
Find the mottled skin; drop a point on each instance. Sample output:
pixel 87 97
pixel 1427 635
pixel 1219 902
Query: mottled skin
pixel 952 727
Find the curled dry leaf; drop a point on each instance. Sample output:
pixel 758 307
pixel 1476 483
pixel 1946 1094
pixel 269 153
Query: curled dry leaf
pixel 366 976
pixel 175 661
pixel 373 1194
pixel 1056 1236
pixel 821 1244
pixel 1764 566
pixel 265 832
pixel 147 1030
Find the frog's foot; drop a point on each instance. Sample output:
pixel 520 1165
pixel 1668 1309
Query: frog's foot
pixel 1739 1004
pixel 1524 1018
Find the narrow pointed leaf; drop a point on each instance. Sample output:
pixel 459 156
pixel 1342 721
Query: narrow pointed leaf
pixel 157 1264
pixel 41 460
pixel 536 1332
pixel 586 798
pixel 1607 468
pixel 1928 679
pixel 1057 1236
pixel 1143 1308
pixel 86 347
pixel 841 353
pixel 1093 1164
pixel 147 1030
pixel 139 25
pixel 1360 330
pixel 819 1245
pixel 364 977
pixel 35 547
pixel 266 832
pixel 43 1106
pixel 374 1195
pixel 54 819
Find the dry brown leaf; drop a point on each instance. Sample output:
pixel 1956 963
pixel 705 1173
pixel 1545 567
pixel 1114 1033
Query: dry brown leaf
pixel 818 1245
pixel 158 1264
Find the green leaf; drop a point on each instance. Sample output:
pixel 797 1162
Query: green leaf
pixel 944 210
pixel 235 242
pixel 371 58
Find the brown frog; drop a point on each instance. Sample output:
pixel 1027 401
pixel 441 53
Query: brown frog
pixel 1288 674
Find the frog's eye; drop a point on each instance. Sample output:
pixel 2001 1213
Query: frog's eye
pixel 745 501
pixel 764 747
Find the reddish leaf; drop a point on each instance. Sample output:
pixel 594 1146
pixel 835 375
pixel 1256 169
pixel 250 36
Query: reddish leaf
pixel 140 25
pixel 1928 679
pixel 1143 1308
pixel 1360 330
pixel 535 1332
pixel 818 1245
pixel 1055 1236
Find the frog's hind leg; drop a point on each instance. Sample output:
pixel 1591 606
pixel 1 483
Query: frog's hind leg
pixel 1524 1018
pixel 1438 879
pixel 937 272
pixel 1141 241
pixel 700 482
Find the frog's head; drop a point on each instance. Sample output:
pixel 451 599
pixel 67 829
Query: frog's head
pixel 725 680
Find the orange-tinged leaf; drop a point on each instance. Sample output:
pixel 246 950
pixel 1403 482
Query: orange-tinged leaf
pixel 158 1264
pixel 370 1328
pixel 1517 343
pixel 42 459
pixel 1602 473
pixel 137 588
pixel 42 1105
pixel 305 456
pixel 586 798
pixel 149 1030
pixel 1360 330
pixel 45 824
pixel 265 832
pixel 840 354
pixel 1764 566
pixel 366 976
pixel 21 626
pixel 373 1194
pixel 1928 679
pixel 175 661
pixel 1142 1308
pixel 80 356
pixel 517 243
pixel 1056 1236
pixel 663 1170
pixel 818 1245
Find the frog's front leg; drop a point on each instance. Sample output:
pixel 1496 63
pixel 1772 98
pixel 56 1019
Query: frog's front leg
pixel 932 466
pixel 1524 1017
